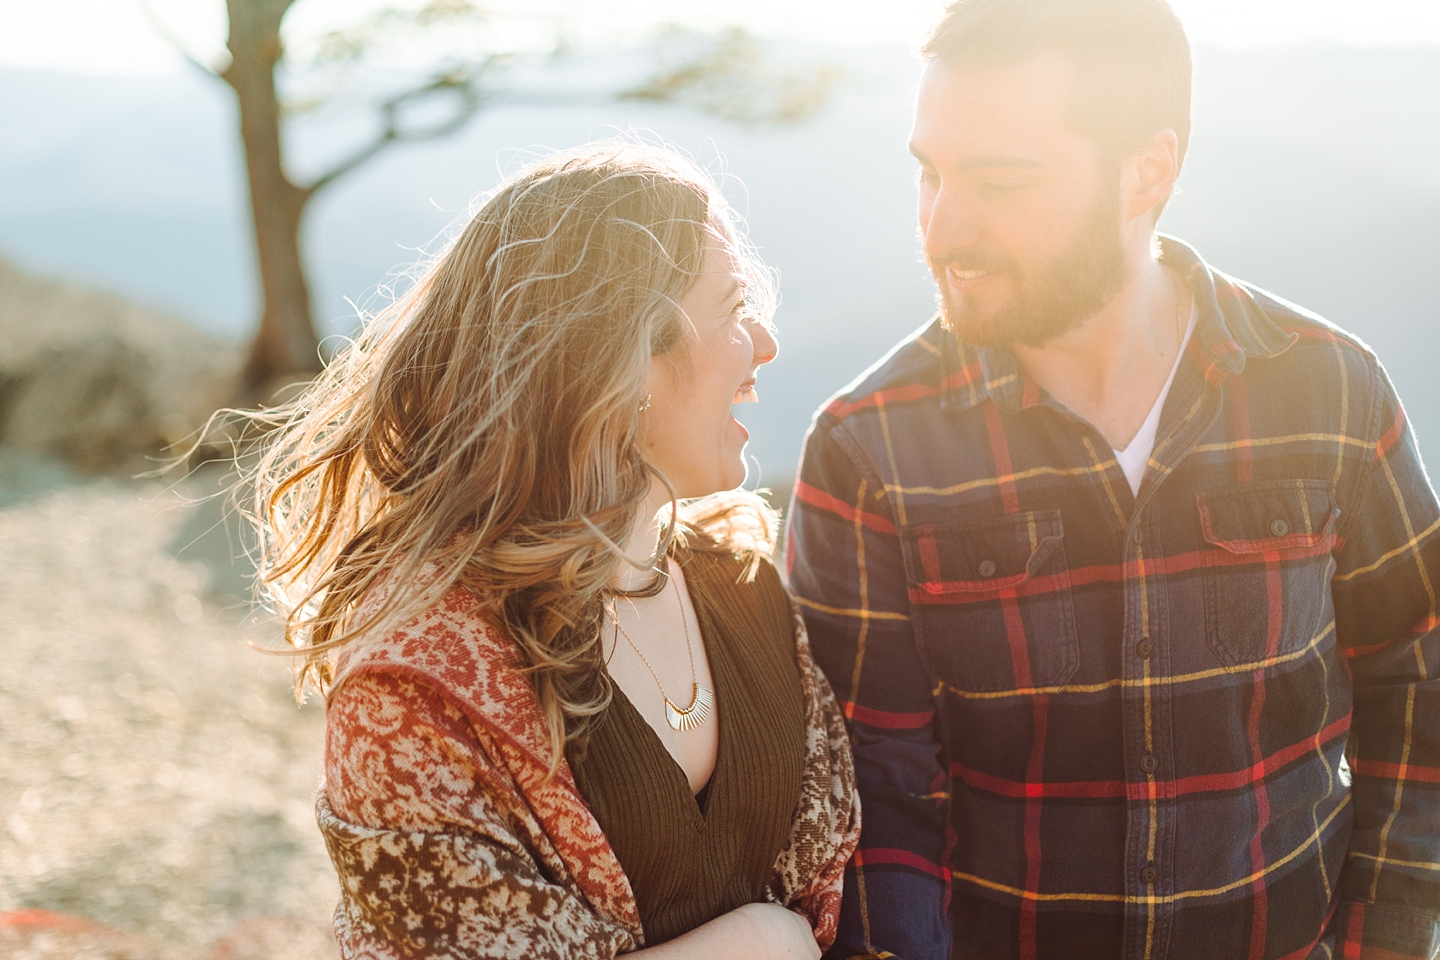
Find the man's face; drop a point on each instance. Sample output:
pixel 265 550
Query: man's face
pixel 1019 213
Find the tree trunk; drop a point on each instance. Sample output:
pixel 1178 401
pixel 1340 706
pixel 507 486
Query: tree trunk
pixel 286 345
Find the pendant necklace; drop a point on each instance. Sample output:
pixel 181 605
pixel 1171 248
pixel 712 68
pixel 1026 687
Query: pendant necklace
pixel 702 698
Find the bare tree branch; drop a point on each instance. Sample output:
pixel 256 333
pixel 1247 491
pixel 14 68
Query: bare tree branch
pixel 181 47
pixel 734 75
pixel 463 83
pixel 354 42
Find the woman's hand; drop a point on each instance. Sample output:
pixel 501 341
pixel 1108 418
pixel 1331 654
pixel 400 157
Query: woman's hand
pixel 756 931
pixel 778 933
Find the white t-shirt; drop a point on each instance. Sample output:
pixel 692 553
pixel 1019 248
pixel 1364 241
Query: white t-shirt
pixel 1134 457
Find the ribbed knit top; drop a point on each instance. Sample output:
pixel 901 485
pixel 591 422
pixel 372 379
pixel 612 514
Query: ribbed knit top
pixel 688 865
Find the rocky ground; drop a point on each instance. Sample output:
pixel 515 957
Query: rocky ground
pixel 156 775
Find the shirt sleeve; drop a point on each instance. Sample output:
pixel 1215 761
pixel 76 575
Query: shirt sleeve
pixel 845 568
pixel 1384 590
pixel 430 862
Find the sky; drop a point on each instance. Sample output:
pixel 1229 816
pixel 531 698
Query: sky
pixel 114 37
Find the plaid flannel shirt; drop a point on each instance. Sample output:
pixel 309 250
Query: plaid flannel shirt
pixel 1203 722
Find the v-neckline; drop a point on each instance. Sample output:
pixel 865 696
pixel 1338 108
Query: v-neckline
pixel 680 778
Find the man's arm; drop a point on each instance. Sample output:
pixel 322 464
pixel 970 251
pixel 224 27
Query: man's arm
pixel 1385 593
pixel 846 571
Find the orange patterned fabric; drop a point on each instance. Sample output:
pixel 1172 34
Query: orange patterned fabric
pixel 449 841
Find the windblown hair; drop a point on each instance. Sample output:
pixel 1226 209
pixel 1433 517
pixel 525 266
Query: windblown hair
pixel 1131 58
pixel 484 430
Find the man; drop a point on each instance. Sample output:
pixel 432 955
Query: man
pixel 1125 571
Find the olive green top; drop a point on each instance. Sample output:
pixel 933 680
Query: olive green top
pixel 690 859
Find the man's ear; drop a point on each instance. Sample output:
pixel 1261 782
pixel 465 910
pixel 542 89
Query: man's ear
pixel 1150 174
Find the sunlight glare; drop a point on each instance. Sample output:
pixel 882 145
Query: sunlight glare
pixel 115 37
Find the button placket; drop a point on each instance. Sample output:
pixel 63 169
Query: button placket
pixel 1151 823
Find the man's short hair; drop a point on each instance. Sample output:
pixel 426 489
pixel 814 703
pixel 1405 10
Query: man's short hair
pixel 1131 58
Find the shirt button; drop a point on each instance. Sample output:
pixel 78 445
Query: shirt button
pixel 1149 874
pixel 1279 528
pixel 1145 648
pixel 1149 764
pixel 987 568
pixel 1136 535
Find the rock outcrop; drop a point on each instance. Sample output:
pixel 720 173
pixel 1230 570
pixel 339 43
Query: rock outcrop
pixel 99 381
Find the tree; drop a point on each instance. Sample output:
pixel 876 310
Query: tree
pixel 724 76
pixel 286 341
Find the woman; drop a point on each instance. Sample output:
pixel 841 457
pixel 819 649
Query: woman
pixel 566 717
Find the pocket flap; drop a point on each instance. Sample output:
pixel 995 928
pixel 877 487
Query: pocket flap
pixel 1269 516
pixel 980 556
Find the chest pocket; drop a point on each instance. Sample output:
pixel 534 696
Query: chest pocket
pixel 1267 568
pixel 990 601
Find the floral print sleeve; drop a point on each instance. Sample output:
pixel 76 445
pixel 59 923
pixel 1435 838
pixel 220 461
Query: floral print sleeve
pixel 809 875
pixel 398 756
pixel 429 835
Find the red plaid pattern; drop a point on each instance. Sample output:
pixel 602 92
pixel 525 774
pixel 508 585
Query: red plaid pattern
pixel 1203 722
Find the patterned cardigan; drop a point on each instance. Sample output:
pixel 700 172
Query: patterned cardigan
pixel 453 843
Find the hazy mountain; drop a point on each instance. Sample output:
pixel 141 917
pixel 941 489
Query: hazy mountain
pixel 1312 173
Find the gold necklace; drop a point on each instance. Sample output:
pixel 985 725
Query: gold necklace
pixel 702 698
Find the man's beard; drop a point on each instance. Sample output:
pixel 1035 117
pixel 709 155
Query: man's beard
pixel 1060 295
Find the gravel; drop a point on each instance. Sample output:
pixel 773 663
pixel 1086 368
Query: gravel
pixel 156 775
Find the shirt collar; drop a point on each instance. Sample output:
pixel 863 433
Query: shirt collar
pixel 1231 328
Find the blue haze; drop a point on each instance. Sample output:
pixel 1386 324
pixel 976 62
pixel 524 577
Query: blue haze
pixel 1313 173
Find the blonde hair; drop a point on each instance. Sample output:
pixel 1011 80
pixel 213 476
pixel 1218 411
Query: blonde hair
pixel 484 430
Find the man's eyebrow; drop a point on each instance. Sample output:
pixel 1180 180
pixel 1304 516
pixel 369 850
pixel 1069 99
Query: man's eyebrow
pixel 997 160
pixel 988 162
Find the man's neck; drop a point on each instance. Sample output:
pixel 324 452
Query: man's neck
pixel 1111 369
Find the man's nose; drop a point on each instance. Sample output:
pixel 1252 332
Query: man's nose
pixel 948 225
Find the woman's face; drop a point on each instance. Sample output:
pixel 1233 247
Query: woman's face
pixel 690 435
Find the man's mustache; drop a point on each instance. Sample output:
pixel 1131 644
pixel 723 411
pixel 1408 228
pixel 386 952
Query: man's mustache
pixel 970 260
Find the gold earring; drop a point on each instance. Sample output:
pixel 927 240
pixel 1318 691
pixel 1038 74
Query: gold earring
pixel 645 404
